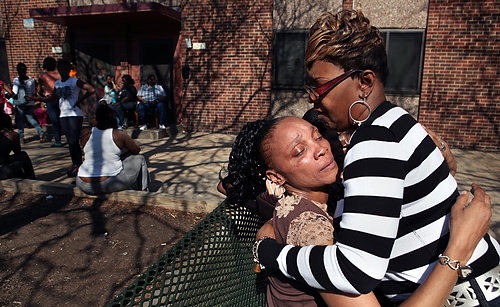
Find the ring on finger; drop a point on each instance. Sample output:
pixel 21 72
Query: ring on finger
pixel 442 146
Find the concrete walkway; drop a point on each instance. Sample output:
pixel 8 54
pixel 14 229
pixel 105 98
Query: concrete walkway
pixel 187 166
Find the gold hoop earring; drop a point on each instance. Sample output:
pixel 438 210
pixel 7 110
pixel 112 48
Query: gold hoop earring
pixel 363 102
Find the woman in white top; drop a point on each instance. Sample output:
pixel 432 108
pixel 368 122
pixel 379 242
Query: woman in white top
pixel 67 91
pixel 112 162
pixel 23 87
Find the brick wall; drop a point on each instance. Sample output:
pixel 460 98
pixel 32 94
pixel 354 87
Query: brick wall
pixel 230 81
pixel 460 96
pixel 29 45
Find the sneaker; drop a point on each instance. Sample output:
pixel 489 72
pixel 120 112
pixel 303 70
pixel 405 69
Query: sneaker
pixel 143 127
pixel 120 128
pixel 162 127
pixel 56 144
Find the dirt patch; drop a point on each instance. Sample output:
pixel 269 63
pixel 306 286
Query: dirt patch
pixel 79 251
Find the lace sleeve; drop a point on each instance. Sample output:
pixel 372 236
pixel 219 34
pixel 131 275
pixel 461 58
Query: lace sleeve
pixel 310 228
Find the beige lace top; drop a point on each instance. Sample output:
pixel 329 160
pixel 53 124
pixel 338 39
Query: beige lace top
pixel 308 221
pixel 298 221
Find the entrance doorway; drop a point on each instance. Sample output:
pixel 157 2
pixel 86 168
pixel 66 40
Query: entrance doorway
pixel 156 58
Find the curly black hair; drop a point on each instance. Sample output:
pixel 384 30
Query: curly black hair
pixel 49 63
pixel 248 162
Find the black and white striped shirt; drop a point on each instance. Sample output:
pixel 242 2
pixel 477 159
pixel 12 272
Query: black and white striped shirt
pixel 393 218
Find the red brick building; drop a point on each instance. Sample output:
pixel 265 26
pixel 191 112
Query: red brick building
pixel 460 95
pixel 222 60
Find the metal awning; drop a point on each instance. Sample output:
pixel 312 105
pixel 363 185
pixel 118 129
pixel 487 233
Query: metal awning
pixel 120 13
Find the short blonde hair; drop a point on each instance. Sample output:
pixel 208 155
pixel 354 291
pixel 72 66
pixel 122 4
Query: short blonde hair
pixel 348 40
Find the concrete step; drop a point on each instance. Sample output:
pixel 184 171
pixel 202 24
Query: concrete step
pixel 149 134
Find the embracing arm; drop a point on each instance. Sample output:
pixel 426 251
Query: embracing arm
pixel 468 224
pixel 311 228
pixel 445 150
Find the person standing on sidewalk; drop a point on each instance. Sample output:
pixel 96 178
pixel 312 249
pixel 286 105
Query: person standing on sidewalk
pixel 66 91
pixel 24 88
pixel 46 81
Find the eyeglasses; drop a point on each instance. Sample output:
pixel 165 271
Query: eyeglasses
pixel 317 93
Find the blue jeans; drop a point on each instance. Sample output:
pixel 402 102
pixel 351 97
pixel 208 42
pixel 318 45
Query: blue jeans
pixel 72 127
pixel 142 109
pixel 120 110
pixel 53 110
pixel 21 113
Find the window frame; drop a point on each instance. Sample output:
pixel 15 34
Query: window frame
pixel 405 92
pixel 385 31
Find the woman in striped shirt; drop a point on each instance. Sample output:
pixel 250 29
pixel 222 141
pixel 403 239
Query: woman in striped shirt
pixel 292 153
pixel 398 191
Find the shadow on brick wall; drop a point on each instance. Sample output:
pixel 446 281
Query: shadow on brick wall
pixel 229 82
pixel 459 93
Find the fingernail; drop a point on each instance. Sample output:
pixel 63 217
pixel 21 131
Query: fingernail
pixel 463 193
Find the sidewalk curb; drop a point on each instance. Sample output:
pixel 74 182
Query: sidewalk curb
pixel 137 197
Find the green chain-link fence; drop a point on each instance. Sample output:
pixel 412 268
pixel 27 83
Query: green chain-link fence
pixel 210 266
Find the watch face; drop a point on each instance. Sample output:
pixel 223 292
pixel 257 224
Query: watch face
pixel 465 271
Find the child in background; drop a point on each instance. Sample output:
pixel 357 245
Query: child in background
pixel 41 115
pixel 5 93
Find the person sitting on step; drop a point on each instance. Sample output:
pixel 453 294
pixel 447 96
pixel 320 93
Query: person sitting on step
pixel 112 161
pixel 152 96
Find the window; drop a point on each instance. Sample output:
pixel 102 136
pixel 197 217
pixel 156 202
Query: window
pixel 404 60
pixel 289 54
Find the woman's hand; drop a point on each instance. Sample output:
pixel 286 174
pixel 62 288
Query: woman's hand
pixel 445 150
pixel 468 224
